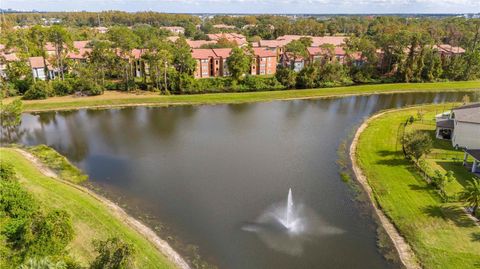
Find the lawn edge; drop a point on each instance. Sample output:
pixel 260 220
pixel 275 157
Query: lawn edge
pixel 86 104
pixel 404 250
pixel 160 244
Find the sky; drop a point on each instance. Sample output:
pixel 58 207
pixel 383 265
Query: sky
pixel 252 6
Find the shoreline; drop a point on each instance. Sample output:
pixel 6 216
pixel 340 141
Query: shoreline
pixel 116 99
pixel 161 245
pixel 404 250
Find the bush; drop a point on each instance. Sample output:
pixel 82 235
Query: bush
pixel 62 87
pixel 8 90
pixel 88 87
pixel 112 86
pixel 23 85
pixel 39 90
pixel 286 76
pixel 7 172
pixel 113 253
pixel 417 143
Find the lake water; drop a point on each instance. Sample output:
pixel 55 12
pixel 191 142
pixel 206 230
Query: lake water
pixel 207 172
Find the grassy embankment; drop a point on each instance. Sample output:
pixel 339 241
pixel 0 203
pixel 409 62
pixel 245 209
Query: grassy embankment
pixel 126 99
pixel 91 218
pixel 441 234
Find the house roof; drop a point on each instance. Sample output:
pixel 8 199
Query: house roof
pixel 446 48
pixel 195 44
pixel 263 52
pixel 468 113
pixel 36 62
pixel 138 53
pixel 448 124
pixel 239 38
pixel 81 54
pixel 316 40
pixel 223 26
pixel 203 53
pixel 81 44
pixel 49 46
pixel 10 57
pixel 475 153
pixel 224 53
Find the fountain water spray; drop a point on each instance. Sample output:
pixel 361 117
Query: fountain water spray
pixel 287 227
pixel 289 209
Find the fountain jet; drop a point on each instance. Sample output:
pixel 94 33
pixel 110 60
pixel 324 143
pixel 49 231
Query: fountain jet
pixel 289 210
pixel 287 227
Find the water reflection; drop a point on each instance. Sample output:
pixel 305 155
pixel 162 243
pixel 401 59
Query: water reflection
pixel 205 170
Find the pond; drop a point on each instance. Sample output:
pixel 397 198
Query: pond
pixel 217 177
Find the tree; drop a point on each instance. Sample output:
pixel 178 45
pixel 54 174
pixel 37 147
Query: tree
pixel 102 57
pixel 125 41
pixel 182 58
pixel 286 76
pixel 307 77
pixel 417 144
pixel 11 117
pixel 471 195
pixel 62 40
pixel 113 253
pixel 239 63
pixel 297 49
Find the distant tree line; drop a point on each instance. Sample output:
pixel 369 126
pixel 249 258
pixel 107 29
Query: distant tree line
pixel 393 49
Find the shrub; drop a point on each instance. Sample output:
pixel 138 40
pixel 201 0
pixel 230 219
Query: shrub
pixel 22 85
pixel 286 76
pixel 62 87
pixel 417 144
pixel 7 172
pixel 113 253
pixel 39 90
pixel 88 87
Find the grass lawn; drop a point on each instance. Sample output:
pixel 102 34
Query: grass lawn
pixel 124 99
pixel 441 234
pixel 443 156
pixel 91 219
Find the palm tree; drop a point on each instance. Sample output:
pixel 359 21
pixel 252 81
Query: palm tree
pixel 471 195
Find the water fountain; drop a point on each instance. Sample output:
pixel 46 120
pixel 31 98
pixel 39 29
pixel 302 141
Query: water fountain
pixel 288 213
pixel 288 225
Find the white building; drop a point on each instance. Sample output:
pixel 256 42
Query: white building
pixel 466 134
pixel 39 70
pixel 462 126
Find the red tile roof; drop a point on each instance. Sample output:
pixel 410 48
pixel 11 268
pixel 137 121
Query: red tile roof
pixel 81 54
pixel 316 40
pixel 81 44
pixel 10 57
pixel 138 53
pixel 224 53
pixel 195 44
pixel 49 46
pixel 263 52
pixel 203 53
pixel 36 62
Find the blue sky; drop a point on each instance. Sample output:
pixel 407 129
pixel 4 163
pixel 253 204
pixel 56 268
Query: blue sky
pixel 253 6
